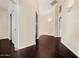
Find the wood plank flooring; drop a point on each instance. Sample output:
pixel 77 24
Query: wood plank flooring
pixel 43 51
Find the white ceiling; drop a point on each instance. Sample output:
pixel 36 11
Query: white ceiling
pixel 44 6
pixel 70 3
pixel 4 4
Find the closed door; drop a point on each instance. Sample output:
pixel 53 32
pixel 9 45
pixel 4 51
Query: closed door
pixel 12 27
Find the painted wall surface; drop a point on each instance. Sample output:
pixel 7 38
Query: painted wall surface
pixel 47 23
pixel 12 9
pixel 70 27
pixel 26 16
pixel 3 23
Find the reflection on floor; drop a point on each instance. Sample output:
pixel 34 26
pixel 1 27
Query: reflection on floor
pixel 47 47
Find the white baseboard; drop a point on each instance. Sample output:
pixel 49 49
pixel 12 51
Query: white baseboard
pixel 3 38
pixel 21 47
pixel 70 49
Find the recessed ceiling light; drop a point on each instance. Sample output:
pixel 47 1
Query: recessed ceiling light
pixel 49 20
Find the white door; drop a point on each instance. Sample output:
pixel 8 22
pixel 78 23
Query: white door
pixel 12 27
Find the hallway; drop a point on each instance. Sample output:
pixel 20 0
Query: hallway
pixel 39 28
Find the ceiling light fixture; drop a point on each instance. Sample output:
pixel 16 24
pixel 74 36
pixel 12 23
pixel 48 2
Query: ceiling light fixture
pixel 49 20
pixel 54 2
pixel 70 4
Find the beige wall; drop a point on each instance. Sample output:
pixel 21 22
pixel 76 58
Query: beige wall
pixel 12 9
pixel 45 26
pixel 70 27
pixel 26 16
pixel 3 23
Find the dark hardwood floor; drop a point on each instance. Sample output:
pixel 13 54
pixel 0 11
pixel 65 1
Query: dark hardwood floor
pixel 47 47
pixel 28 52
pixel 64 52
pixel 31 52
pixel 6 48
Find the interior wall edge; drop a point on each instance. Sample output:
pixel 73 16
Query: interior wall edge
pixel 70 48
pixel 25 46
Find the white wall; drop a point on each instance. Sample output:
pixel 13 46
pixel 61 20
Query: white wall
pixel 70 27
pixel 46 27
pixel 12 9
pixel 26 16
pixel 3 23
